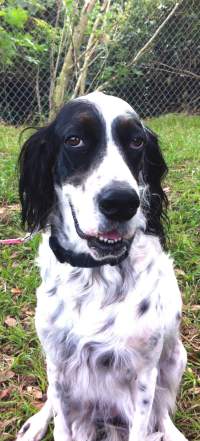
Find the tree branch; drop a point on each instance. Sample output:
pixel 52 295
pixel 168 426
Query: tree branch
pixel 64 76
pixel 147 45
pixel 166 68
pixel 151 40
pixel 90 49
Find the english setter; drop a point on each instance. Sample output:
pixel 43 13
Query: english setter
pixel 108 308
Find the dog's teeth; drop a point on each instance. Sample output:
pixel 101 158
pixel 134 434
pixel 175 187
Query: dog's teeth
pixel 102 239
pixel 111 241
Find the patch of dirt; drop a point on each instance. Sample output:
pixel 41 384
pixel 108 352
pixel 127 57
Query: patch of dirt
pixel 7 211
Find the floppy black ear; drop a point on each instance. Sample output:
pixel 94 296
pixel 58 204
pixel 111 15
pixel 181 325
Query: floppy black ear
pixel 154 170
pixel 36 189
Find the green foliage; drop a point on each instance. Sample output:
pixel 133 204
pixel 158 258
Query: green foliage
pixel 24 35
pixel 7 47
pixel 32 31
pixel 16 17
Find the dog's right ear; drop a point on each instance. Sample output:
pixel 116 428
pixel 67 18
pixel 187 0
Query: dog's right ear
pixel 36 188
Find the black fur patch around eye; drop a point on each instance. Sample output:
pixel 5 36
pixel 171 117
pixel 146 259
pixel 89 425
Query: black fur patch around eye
pixel 147 163
pixel 80 119
pixel 124 130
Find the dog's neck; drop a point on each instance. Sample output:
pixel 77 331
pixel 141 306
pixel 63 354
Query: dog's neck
pixel 106 284
pixel 80 260
pixel 139 252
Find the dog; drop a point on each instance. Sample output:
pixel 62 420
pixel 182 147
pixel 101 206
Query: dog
pixel 109 307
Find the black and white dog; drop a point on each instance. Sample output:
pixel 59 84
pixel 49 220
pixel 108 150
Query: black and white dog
pixel 108 308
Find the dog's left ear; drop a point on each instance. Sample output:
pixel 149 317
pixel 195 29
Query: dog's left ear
pixel 154 169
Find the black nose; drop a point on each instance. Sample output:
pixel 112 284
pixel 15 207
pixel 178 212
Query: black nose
pixel 118 204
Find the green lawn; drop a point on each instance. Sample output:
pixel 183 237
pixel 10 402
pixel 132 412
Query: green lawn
pixel 22 368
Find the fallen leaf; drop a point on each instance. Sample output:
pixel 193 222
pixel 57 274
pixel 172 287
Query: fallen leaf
pixel 14 255
pixel 37 404
pixel 10 321
pixel 195 307
pixel 9 208
pixel 180 272
pixel 16 291
pixel 6 375
pixel 28 312
pixel 6 423
pixel 15 264
pixel 29 389
pixel 5 393
pixel 35 392
pixel 167 189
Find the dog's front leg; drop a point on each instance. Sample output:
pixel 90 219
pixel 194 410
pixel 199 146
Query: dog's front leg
pixel 35 428
pixel 172 366
pixel 61 428
pixel 144 391
pixel 62 431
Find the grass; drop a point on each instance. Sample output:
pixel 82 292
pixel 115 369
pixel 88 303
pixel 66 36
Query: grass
pixel 22 368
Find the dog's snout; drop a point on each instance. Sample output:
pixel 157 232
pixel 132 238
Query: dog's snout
pixel 118 204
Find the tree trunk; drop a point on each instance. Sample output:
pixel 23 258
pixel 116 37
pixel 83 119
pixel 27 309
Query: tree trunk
pixel 68 63
pixel 90 49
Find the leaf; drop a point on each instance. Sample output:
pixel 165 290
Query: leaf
pixel 180 272
pixel 6 375
pixel 37 395
pixel 37 404
pixel 27 312
pixel 16 17
pixel 8 49
pixel 32 60
pixel 16 291
pixel 35 392
pixel 10 321
pixel 5 393
pixel 166 189
pixel 195 307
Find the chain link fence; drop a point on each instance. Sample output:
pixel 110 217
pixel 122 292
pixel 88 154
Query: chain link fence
pixel 166 78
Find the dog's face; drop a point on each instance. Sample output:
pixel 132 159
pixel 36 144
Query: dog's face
pixel 88 172
pixel 97 170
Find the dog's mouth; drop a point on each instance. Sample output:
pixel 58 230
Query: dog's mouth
pixel 104 245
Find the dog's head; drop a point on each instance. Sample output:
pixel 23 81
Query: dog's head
pixel 93 174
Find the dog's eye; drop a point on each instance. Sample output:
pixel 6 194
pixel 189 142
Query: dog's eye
pixel 137 142
pixel 74 141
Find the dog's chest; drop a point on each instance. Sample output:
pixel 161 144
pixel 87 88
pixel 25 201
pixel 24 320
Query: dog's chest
pixel 108 322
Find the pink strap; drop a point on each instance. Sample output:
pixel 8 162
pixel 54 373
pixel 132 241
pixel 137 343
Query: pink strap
pixel 11 241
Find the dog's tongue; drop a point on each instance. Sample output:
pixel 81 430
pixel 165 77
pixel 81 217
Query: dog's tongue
pixel 113 235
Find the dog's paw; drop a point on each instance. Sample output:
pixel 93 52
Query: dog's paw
pixel 34 429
